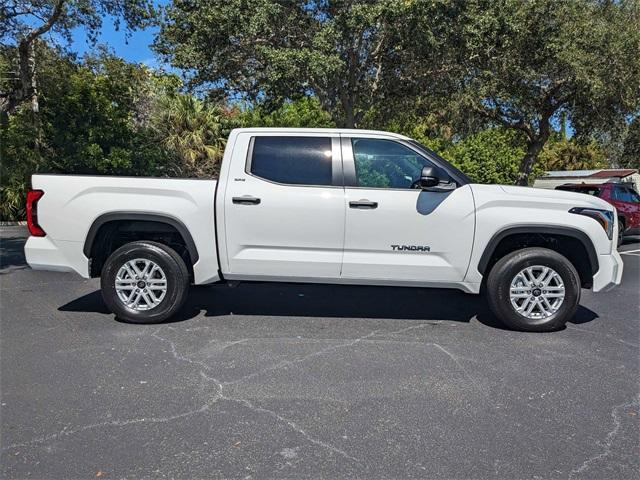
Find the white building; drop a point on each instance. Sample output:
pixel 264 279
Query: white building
pixel 551 180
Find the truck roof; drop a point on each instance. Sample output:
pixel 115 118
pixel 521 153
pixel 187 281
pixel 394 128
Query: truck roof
pixel 326 131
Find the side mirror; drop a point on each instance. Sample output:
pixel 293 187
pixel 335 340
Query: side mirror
pixel 435 179
pixel 430 177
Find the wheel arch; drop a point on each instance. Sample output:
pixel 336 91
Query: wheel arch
pixel 119 217
pixel 538 235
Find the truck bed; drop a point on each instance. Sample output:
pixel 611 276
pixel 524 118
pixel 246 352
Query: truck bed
pixel 73 205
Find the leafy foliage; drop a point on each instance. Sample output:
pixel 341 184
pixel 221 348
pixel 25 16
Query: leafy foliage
pixel 508 63
pixel 343 53
pixel 89 123
pixel 18 161
pixel 493 155
pixel 630 157
pixel 193 131
pixel 305 112
pixel 23 23
pixel 521 64
pixel 563 154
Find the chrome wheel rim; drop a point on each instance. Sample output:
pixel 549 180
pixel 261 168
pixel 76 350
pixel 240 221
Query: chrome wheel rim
pixel 141 284
pixel 537 292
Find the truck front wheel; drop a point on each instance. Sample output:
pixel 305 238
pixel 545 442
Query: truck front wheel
pixel 534 290
pixel 144 282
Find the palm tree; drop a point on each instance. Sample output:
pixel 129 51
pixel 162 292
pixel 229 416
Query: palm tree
pixel 193 131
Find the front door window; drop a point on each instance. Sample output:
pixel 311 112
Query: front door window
pixel 386 164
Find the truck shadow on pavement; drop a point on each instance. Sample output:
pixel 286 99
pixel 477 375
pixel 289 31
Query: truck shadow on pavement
pixel 314 300
pixel 12 254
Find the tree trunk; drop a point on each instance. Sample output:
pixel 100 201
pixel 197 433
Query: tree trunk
pixel 31 60
pixel 27 91
pixel 534 147
pixel 526 164
pixel 349 117
pixel 35 99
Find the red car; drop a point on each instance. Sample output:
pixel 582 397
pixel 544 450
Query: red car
pixel 620 195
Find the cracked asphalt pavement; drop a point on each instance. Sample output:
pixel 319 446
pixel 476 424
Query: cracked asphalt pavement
pixel 312 381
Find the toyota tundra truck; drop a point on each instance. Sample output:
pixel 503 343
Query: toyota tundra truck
pixel 325 206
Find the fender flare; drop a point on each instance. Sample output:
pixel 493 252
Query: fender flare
pixel 539 229
pixel 137 216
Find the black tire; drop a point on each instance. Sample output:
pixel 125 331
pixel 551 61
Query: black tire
pixel 505 270
pixel 168 260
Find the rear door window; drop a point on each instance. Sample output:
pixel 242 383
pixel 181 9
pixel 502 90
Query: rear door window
pixel 626 195
pixel 292 160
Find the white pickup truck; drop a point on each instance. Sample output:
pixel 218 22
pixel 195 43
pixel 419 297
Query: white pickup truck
pixel 325 206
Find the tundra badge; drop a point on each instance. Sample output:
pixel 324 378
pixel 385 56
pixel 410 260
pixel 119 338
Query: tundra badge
pixel 410 248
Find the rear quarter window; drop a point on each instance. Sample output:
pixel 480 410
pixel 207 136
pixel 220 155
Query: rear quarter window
pixel 625 194
pixel 586 190
pixel 292 160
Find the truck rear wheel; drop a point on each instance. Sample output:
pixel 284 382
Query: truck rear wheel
pixel 534 290
pixel 144 282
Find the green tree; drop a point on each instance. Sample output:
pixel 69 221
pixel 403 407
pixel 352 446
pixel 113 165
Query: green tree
pixel 521 64
pixel 91 118
pixel 193 131
pixel 305 112
pixel 94 120
pixel 630 157
pixel 569 154
pixel 18 160
pixel 345 53
pixel 25 22
pixel 489 156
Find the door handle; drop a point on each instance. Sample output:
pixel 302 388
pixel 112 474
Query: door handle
pixel 246 200
pixel 363 204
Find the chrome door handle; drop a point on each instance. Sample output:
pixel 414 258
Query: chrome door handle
pixel 363 204
pixel 246 200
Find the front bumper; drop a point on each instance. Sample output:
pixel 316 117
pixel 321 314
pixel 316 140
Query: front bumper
pixel 609 272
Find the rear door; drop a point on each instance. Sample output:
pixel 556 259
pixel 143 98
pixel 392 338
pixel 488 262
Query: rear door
pixel 284 207
pixel 395 231
pixel 627 202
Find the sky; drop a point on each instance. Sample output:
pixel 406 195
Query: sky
pixel 136 48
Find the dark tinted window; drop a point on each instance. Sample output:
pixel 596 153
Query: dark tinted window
pixel 587 190
pixel 386 164
pixel 625 195
pixel 293 160
pixel 615 194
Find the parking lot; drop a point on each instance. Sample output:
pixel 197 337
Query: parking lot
pixel 299 381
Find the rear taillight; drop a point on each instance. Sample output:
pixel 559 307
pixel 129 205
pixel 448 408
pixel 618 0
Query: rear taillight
pixel 32 213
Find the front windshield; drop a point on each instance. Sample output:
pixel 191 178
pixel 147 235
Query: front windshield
pixel 430 153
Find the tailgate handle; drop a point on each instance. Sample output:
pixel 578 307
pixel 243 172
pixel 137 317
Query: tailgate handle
pixel 246 200
pixel 363 204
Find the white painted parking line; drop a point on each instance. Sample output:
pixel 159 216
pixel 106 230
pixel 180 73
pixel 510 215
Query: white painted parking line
pixel 630 254
pixel 631 251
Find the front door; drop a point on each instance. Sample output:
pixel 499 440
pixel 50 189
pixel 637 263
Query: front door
pixel 284 207
pixel 394 230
